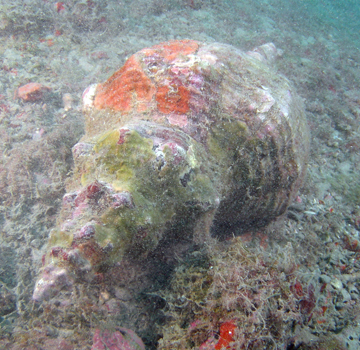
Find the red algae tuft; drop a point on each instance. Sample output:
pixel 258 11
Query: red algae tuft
pixel 227 330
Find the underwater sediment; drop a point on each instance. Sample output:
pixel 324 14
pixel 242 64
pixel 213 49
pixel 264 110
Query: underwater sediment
pixel 186 136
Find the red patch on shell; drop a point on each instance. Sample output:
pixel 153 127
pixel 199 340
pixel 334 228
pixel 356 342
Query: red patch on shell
pixel 91 251
pixel 173 101
pixel 172 49
pixel 122 135
pixel 129 87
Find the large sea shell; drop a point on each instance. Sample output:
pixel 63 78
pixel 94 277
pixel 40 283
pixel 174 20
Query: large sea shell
pixel 184 138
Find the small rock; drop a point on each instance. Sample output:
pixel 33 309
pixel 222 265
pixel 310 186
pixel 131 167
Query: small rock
pixel 325 279
pixel 7 302
pixel 352 288
pixel 337 284
pixel 346 295
pixel 67 101
pixel 31 92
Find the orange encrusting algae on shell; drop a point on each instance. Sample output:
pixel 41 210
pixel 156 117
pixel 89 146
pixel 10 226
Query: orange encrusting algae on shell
pixel 131 89
pixel 172 49
pixel 172 101
pixel 127 85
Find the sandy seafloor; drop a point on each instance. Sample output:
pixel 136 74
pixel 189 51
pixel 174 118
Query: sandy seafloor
pixel 312 253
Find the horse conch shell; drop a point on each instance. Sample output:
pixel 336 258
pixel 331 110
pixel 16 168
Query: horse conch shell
pixel 184 137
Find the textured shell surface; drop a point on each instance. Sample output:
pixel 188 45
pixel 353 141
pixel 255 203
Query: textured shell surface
pixel 184 137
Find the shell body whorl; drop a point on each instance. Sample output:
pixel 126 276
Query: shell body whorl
pixel 183 134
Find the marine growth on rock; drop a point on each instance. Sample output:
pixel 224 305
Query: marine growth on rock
pixel 186 136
